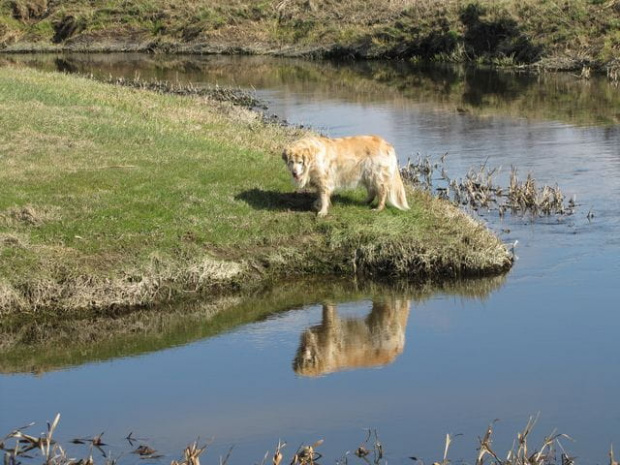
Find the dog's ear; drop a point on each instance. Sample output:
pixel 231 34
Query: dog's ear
pixel 311 149
pixel 284 155
pixel 308 154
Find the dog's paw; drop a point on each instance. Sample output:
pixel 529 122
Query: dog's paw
pixel 322 213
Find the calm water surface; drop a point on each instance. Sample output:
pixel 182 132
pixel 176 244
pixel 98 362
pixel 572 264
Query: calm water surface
pixel 415 367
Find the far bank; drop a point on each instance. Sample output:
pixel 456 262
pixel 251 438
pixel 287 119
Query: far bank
pixel 569 35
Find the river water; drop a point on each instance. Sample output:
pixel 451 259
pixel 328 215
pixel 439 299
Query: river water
pixel 413 364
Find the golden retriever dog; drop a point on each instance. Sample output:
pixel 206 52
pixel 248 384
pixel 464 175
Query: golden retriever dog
pixel 330 164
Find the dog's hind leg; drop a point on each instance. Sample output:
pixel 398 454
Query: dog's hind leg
pixel 370 197
pixel 382 194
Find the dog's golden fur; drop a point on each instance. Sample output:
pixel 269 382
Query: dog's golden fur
pixel 330 164
pixel 349 343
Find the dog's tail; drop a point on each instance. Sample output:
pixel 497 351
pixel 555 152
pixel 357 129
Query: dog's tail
pixel 397 196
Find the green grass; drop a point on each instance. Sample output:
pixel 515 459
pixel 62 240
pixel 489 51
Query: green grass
pixel 115 196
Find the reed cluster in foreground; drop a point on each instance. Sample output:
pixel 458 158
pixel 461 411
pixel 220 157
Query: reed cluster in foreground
pixel 21 448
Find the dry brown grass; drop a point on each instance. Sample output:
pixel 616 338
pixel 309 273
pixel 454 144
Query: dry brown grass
pixel 160 280
pixel 29 215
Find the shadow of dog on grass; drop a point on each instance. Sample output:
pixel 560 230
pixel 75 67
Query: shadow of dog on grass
pixel 285 201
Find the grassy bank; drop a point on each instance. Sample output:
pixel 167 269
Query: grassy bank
pixel 568 34
pixel 115 196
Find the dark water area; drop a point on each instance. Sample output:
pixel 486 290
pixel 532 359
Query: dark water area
pixel 413 364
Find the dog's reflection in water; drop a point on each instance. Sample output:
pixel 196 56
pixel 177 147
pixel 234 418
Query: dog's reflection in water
pixel 348 343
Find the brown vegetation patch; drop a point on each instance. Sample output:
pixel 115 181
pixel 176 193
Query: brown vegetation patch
pixel 9 297
pixel 10 240
pixel 239 97
pixel 29 215
pixel 28 10
pixel 160 281
pixel 66 27
pixel 111 40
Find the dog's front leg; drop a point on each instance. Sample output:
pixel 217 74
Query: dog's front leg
pixel 324 195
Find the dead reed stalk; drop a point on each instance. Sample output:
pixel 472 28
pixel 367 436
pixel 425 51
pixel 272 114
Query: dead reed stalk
pixel 18 445
pixel 480 190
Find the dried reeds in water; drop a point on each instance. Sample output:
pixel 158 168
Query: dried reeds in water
pixel 191 455
pixel 307 455
pixel 479 189
pixel 366 451
pixel 277 455
pixel 18 446
pixel 521 453
pixel 25 443
pixel 419 173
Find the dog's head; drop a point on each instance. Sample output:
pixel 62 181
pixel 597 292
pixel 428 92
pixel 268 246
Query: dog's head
pixel 308 360
pixel 299 158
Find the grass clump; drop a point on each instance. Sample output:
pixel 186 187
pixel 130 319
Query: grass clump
pixel 122 196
